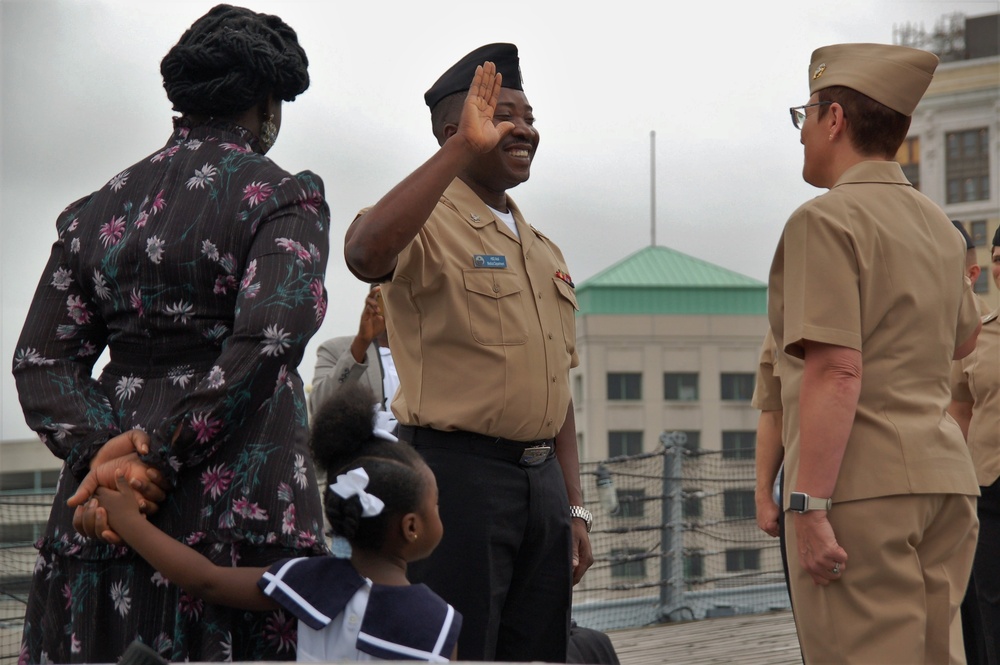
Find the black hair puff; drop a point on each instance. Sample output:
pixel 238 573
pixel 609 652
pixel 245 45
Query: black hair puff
pixel 341 440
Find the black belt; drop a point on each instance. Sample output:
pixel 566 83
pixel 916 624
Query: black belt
pixel 525 453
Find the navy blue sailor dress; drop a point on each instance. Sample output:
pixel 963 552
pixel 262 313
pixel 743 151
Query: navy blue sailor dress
pixel 344 616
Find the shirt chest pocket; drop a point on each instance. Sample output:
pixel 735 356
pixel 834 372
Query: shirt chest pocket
pixel 496 307
pixel 567 312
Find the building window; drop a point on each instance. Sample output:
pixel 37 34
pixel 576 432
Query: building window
pixel 628 562
pixel 631 503
pixel 739 445
pixel 694 565
pixel 982 284
pixel 967 165
pixel 978 232
pixel 692 503
pixel 908 157
pixel 680 386
pixel 738 560
pixel 737 387
pixel 624 443
pixel 14 482
pixel 738 504
pixel 624 385
pixel 12 535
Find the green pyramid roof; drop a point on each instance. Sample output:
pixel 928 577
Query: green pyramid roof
pixel 660 280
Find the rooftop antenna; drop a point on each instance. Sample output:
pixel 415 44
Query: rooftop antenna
pixel 652 188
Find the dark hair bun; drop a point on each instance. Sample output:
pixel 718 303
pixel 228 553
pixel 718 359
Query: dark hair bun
pixel 341 440
pixel 230 60
pixel 341 426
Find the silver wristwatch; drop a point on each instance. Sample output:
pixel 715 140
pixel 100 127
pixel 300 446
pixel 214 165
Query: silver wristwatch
pixel 583 514
pixel 801 502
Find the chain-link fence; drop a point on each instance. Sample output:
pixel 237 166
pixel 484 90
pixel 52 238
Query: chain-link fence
pixel 22 520
pixel 674 538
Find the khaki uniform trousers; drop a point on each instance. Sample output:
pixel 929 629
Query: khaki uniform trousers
pixel 908 563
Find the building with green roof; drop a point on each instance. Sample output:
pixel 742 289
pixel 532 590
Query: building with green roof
pixel 660 280
pixel 667 342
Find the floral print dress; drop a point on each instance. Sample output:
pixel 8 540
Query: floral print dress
pixel 201 268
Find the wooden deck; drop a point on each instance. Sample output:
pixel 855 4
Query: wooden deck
pixel 760 639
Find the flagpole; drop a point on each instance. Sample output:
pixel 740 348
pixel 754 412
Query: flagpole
pixel 652 188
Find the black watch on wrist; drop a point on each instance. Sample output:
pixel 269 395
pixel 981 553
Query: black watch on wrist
pixel 801 502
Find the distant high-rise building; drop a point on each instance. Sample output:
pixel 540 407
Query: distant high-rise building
pixel 952 153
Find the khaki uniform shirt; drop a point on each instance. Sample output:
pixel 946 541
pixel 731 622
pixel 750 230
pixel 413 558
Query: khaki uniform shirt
pixel 976 379
pixel 773 370
pixel 481 324
pixel 874 265
pixel 767 388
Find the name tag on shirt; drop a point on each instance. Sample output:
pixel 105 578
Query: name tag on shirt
pixel 489 260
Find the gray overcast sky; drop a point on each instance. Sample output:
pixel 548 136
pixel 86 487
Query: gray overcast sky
pixel 82 99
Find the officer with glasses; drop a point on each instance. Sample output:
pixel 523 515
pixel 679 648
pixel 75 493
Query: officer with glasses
pixel 867 287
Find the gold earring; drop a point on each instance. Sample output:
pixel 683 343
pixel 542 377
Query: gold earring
pixel 268 133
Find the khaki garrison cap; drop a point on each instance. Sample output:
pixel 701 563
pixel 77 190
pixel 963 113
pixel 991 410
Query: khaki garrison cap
pixel 895 76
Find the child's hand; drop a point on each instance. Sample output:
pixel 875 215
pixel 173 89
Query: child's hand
pixel 112 509
pixel 144 480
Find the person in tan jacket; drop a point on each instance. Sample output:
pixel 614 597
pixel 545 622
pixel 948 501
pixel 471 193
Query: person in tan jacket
pixel 363 359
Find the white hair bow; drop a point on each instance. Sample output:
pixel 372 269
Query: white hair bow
pixel 353 483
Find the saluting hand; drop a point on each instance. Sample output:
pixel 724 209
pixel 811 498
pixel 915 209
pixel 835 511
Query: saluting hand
pixel 372 325
pixel 372 318
pixel 476 124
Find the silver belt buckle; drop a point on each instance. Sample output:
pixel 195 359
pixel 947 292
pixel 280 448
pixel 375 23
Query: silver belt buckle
pixel 534 455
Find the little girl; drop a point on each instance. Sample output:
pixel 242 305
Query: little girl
pixel 384 502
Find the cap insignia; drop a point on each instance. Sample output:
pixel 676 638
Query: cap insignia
pixel 819 71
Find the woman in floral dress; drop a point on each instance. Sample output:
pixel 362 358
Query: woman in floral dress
pixel 201 268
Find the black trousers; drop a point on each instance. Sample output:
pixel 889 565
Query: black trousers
pixel 986 575
pixel 505 559
pixel 972 626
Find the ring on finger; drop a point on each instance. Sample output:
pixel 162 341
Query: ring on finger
pixel 836 568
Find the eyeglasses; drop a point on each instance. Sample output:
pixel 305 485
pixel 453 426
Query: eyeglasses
pixel 799 113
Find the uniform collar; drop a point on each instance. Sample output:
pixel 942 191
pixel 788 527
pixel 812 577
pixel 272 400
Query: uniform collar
pixel 873 172
pixel 479 215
